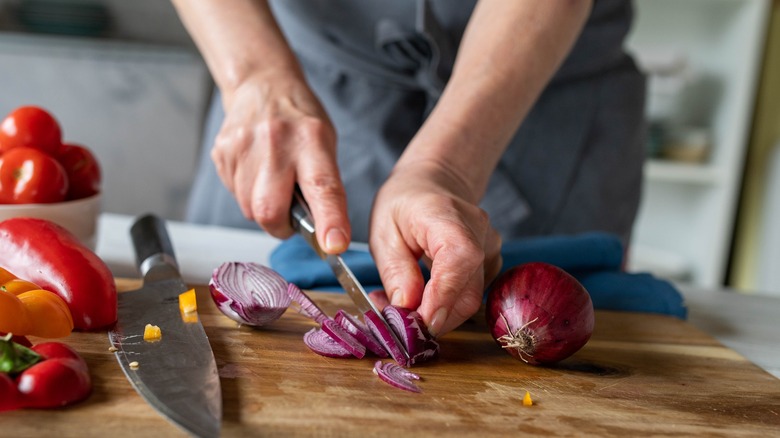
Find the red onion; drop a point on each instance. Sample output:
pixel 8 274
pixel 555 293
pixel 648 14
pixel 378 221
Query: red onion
pixel 249 293
pixel 411 330
pixel 361 332
pixel 396 376
pixel 321 343
pixel 374 324
pixel 308 307
pixel 539 313
pixel 344 338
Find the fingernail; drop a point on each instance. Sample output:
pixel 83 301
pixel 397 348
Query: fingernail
pixel 336 240
pixel 396 298
pixel 437 322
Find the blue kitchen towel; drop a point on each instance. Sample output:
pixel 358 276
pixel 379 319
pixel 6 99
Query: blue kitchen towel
pixel 595 259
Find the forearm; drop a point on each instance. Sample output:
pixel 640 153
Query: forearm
pixel 237 39
pixel 509 52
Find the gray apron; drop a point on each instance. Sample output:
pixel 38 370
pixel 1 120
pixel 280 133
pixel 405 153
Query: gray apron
pixel 378 67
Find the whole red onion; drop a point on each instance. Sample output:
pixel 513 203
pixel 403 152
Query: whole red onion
pixel 539 313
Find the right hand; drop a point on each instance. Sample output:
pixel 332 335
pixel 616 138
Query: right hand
pixel 276 133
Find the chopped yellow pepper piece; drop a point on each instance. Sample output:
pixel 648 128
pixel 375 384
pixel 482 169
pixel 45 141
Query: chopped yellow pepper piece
pixel 527 401
pixel 152 333
pixel 187 302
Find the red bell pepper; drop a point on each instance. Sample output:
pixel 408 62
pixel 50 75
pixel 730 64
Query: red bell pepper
pixel 48 375
pixel 50 256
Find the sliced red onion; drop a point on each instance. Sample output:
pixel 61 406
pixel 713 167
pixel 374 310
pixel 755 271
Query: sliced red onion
pixel 411 330
pixel 382 333
pixel 249 293
pixel 321 343
pixel 397 376
pixel 361 332
pixel 308 307
pixel 344 338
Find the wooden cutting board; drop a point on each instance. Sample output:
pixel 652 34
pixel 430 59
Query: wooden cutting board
pixel 639 375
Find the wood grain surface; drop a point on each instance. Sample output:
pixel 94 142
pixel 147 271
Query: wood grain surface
pixel 640 375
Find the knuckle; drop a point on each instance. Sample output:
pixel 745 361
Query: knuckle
pixel 271 218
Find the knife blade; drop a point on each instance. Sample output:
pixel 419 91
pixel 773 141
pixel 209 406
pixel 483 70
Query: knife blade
pixel 303 223
pixel 176 375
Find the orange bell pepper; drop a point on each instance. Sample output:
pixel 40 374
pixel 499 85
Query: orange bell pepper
pixel 28 310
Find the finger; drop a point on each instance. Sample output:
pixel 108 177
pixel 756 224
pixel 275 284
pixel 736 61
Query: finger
pixel 454 292
pixel 265 177
pixel 320 183
pixel 379 298
pixel 493 259
pixel 397 264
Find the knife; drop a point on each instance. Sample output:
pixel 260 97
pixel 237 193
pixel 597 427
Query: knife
pixel 176 375
pixel 303 223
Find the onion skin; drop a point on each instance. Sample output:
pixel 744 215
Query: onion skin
pixel 539 313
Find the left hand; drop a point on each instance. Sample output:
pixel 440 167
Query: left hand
pixel 419 214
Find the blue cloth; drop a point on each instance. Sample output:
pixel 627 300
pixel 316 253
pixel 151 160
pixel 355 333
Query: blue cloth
pixel 595 259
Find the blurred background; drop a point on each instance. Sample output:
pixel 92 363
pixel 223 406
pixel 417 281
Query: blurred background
pixel 124 79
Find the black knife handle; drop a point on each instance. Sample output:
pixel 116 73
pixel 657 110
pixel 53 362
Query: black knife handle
pixel 152 245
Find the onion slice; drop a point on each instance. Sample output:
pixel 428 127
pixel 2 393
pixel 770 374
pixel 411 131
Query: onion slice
pixel 344 338
pixel 321 343
pixel 360 332
pixel 308 306
pixel 411 330
pixel 396 376
pixel 374 324
pixel 249 293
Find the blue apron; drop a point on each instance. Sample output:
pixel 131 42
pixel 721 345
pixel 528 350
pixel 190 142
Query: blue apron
pixel 378 67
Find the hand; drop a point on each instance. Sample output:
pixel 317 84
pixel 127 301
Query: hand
pixel 419 214
pixel 275 134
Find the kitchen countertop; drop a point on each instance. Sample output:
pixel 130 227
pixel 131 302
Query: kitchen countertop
pixel 744 323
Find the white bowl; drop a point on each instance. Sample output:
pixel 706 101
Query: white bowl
pixel 79 216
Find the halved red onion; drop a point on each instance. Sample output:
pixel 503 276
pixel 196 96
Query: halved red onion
pixel 249 293
pixel 382 333
pixel 411 330
pixel 321 343
pixel 308 307
pixel 361 332
pixel 344 338
pixel 396 376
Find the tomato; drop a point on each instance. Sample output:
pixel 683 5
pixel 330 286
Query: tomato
pixel 29 176
pixel 54 382
pixel 83 170
pixel 30 126
pixel 10 395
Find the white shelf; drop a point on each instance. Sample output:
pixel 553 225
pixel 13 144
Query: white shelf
pixel 714 47
pixel 684 173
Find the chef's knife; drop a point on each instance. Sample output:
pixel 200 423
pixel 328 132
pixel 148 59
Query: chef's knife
pixel 176 375
pixel 303 223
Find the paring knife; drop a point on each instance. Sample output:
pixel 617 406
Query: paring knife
pixel 303 223
pixel 176 375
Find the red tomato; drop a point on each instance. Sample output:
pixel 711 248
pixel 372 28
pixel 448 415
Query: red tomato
pixel 10 395
pixel 30 126
pixel 56 350
pixel 54 382
pixel 29 176
pixel 83 170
